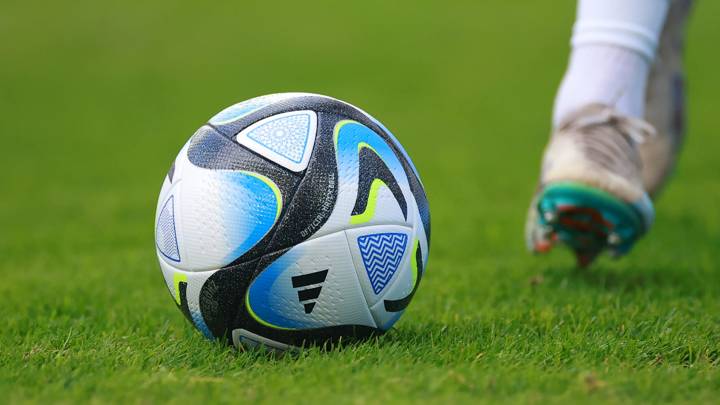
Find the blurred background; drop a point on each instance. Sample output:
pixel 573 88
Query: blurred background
pixel 97 97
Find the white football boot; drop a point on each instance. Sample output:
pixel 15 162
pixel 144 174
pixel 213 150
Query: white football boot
pixel 600 168
pixel 591 194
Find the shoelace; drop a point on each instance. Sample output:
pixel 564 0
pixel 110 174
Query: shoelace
pixel 636 129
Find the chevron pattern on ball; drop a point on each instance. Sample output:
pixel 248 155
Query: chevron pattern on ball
pixel 381 254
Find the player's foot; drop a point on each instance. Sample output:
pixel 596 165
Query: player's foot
pixel 591 195
pixel 665 101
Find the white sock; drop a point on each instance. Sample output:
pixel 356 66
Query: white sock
pixel 604 74
pixel 613 46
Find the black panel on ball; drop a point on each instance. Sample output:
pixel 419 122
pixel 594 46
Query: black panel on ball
pixel 372 167
pixel 210 150
pixel 316 195
pixel 221 297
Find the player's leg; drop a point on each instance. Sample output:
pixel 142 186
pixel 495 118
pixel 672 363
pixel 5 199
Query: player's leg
pixel 665 100
pixel 614 44
pixel 591 194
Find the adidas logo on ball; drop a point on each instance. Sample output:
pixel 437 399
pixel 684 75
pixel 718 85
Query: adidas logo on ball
pixel 308 296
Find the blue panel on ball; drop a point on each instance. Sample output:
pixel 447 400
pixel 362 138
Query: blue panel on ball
pixel 200 324
pixel 381 254
pixel 349 136
pixel 261 302
pixel 262 201
pixel 165 236
pixel 397 144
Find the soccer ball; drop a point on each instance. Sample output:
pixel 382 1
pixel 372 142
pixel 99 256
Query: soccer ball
pixel 291 220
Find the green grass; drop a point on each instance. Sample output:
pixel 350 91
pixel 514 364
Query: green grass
pixel 96 98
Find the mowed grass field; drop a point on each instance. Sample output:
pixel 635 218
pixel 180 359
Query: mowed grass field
pixel 96 98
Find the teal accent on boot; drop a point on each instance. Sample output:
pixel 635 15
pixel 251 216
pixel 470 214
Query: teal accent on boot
pixel 590 220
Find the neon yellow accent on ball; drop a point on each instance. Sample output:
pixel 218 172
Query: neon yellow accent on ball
pixel 365 145
pixel 177 278
pixel 338 127
pixel 413 262
pixel 257 318
pixel 273 187
pixel 369 212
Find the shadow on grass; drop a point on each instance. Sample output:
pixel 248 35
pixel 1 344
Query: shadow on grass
pixel 631 279
pixel 678 258
pixel 408 337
